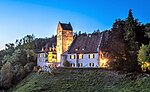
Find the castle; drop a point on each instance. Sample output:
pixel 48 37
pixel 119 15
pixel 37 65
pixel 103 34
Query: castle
pixel 80 51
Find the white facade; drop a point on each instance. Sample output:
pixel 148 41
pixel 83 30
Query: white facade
pixel 82 60
pixel 42 61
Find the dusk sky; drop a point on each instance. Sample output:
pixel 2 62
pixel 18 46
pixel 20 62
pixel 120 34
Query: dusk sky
pixel 19 18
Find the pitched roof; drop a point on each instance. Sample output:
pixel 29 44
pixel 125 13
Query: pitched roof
pixel 88 43
pixel 85 44
pixel 104 39
pixel 48 46
pixel 66 26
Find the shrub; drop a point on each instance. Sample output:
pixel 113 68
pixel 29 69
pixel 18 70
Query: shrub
pixel 66 63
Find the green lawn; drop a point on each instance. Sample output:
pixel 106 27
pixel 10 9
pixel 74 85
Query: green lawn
pixel 83 80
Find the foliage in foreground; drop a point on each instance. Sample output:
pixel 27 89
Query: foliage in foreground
pixel 84 80
pixel 144 56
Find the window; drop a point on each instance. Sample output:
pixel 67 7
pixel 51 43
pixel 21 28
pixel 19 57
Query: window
pixel 80 64
pixel 80 56
pixel 40 59
pixel 72 56
pixel 72 64
pixel 46 60
pixel 40 55
pixel 45 55
pixel 76 49
pixel 91 56
pixel 91 64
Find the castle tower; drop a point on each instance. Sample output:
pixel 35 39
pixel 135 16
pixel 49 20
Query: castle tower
pixel 64 38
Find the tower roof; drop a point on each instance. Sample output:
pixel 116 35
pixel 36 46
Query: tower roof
pixel 66 26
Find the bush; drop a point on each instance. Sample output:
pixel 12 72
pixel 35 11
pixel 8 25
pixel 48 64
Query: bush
pixel 66 63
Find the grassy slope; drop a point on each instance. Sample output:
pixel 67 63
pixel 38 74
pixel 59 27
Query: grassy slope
pixel 87 80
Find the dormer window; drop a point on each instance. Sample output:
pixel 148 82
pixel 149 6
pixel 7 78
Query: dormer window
pixel 42 49
pixel 84 48
pixel 50 48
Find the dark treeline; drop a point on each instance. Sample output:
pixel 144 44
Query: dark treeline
pixel 40 42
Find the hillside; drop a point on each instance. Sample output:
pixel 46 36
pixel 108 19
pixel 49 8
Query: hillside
pixel 84 80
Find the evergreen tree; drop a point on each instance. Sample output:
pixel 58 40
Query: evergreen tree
pixel 132 44
pixel 130 28
pixel 147 31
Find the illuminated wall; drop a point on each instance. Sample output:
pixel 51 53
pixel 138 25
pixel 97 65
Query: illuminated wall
pixel 51 57
pixel 67 39
pixel 103 60
pixel 64 39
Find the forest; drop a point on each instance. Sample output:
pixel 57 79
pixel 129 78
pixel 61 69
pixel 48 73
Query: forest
pixel 128 47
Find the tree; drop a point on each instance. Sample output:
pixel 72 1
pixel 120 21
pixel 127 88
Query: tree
pixel 144 56
pixel 29 67
pixel 147 31
pixel 18 73
pixel 130 28
pixel 79 33
pixel 6 58
pixel 116 46
pixel 7 75
pixel 132 45
pixel 9 48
